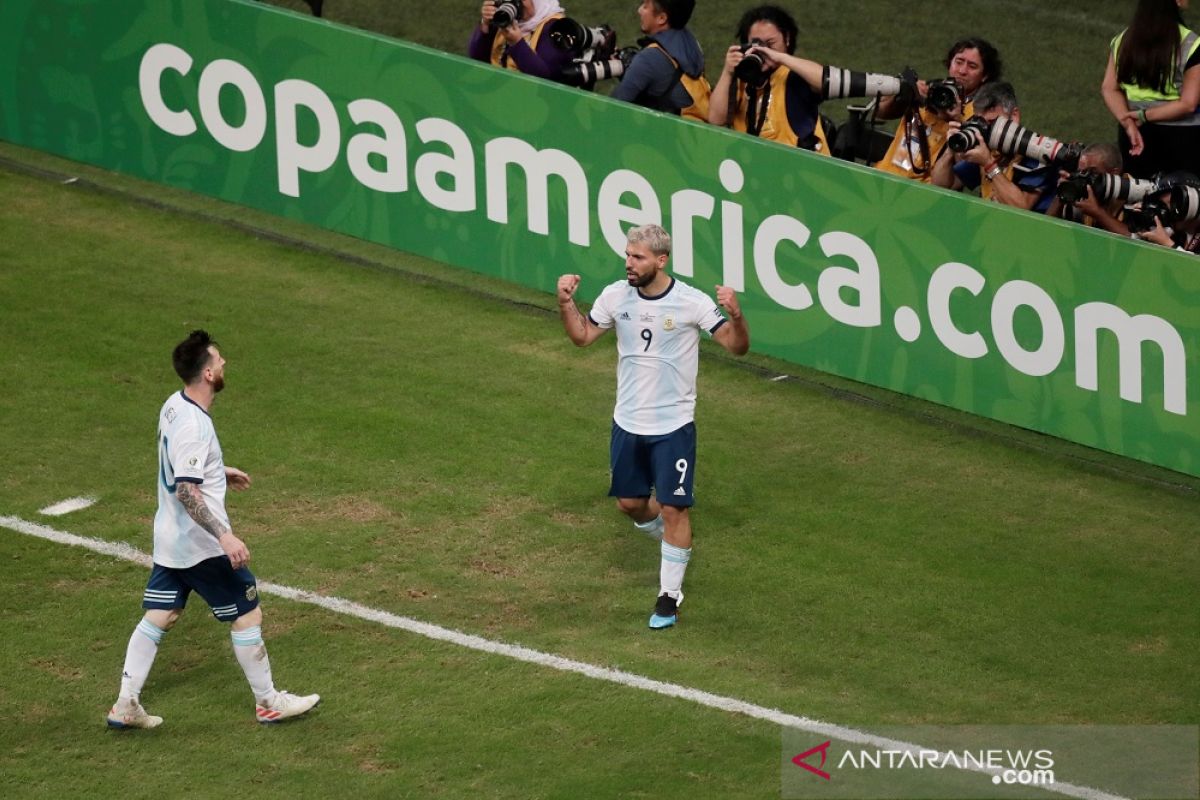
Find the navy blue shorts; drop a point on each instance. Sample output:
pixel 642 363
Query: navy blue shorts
pixel 229 592
pixel 664 463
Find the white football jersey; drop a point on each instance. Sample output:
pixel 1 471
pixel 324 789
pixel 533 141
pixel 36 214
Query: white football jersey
pixel 188 450
pixel 658 352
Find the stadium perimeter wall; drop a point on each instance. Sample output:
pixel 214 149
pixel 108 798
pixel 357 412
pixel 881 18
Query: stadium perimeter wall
pixel 997 312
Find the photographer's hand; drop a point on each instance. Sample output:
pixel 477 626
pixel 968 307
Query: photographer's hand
pixel 1158 235
pixel 979 155
pixel 772 59
pixel 512 34
pixel 733 57
pixel 486 12
pixel 1090 206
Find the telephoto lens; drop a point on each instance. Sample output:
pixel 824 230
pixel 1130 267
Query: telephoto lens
pixel 507 13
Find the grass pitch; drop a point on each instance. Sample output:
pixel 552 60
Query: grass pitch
pixel 429 443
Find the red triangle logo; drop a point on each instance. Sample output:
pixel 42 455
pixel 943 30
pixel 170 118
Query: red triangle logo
pixel 800 762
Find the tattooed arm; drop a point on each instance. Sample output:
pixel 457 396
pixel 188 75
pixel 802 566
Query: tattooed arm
pixel 192 501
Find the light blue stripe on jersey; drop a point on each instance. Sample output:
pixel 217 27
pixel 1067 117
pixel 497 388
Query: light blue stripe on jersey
pixel 676 555
pixel 150 631
pixel 249 637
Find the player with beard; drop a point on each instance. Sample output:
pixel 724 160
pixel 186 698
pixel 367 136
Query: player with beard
pixel 652 451
pixel 194 546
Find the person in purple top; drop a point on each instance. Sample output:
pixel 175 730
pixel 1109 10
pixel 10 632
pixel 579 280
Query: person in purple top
pixel 523 45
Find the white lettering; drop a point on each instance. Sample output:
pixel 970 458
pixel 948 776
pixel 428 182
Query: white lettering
pixel 391 147
pixel 942 283
pixel 614 214
pixel 216 76
pixel 1048 356
pixel 686 206
pixel 1131 333
pixel 459 166
pixel 771 232
pixel 292 156
pixel 538 166
pixel 157 60
pixel 864 281
pixel 732 228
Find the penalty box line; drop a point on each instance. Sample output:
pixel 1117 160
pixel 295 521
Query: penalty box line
pixel 349 608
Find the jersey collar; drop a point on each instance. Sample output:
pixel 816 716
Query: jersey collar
pixel 659 296
pixel 183 394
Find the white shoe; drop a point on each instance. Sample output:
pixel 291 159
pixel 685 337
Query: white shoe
pixel 285 706
pixel 128 713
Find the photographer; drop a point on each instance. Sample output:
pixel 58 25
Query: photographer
pixel 1012 179
pixel 919 138
pixel 520 45
pixel 766 91
pixel 1174 211
pixel 1096 160
pixel 669 51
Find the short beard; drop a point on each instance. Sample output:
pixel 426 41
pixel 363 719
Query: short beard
pixel 218 384
pixel 641 281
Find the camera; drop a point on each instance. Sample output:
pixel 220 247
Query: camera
pixel 507 12
pixel 583 42
pixel 1142 219
pixel 943 95
pixel 1105 187
pixel 972 133
pixel 585 73
pixel 1182 205
pixel 750 69
pixel 1008 138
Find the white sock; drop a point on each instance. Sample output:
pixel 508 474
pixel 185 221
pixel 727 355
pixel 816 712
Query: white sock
pixel 652 528
pixel 251 653
pixel 139 657
pixel 670 572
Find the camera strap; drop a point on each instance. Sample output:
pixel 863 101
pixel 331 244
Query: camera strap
pixel 914 128
pixel 756 108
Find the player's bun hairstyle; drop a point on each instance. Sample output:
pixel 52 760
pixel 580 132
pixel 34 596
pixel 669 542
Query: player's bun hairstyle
pixel 191 355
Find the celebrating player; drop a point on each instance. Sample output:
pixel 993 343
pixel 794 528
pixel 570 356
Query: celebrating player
pixel 653 447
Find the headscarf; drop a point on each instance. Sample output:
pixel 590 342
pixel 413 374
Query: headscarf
pixel 541 10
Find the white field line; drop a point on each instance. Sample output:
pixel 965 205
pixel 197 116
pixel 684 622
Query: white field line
pixel 67 506
pixel 349 608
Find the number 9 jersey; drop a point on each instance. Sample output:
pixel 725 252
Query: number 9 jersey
pixel 658 352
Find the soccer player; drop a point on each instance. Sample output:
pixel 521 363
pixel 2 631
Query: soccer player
pixel 653 447
pixel 194 546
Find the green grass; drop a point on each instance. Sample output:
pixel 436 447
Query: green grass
pixel 1053 53
pixel 429 443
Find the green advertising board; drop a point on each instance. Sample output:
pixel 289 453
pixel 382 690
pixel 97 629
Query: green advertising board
pixel 1002 313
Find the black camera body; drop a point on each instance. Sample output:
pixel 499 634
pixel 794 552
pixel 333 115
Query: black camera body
pixel 972 133
pixel 944 95
pixel 1142 219
pixel 507 12
pixel 1075 188
pixel 750 69
pixel 1183 205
